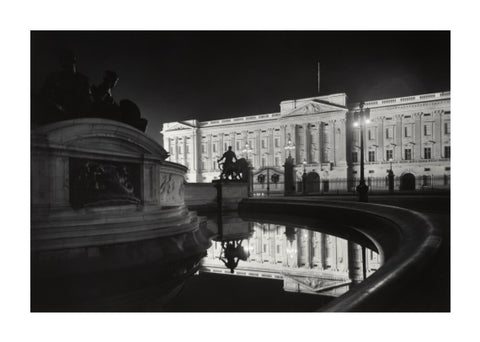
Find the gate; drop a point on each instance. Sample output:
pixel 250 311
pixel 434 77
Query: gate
pixel 268 181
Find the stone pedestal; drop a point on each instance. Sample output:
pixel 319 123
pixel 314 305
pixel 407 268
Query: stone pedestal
pixel 97 182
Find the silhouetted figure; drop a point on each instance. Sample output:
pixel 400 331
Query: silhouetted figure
pixel 233 253
pixel 105 105
pixel 228 166
pixel 65 94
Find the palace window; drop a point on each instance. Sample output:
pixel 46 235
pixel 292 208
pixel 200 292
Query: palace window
pixel 277 161
pixel 427 129
pixel 407 131
pixel 371 134
pixel 187 149
pixel 238 146
pixel 427 153
pixel 408 154
pixel 203 148
pixel 389 154
pixel 264 143
pixel 371 156
pixel 263 161
pixel 446 127
pixel 354 157
pixel 446 153
pixel 277 142
pixel 214 148
pixel 225 147
pixel 389 133
pixel 179 149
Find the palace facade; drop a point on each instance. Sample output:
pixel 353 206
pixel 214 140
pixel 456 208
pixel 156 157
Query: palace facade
pixel 410 135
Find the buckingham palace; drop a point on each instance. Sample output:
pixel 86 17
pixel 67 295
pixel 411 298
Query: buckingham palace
pixel 408 135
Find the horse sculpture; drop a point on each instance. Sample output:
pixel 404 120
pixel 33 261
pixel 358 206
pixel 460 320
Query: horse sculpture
pixel 235 171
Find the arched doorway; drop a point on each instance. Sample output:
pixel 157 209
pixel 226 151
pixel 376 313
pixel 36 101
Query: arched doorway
pixel 407 182
pixel 313 182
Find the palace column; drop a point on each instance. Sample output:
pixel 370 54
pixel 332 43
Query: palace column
pixel 306 146
pixel 437 135
pixel 332 148
pixel 283 143
pixel 195 149
pixel 185 155
pixel 342 144
pixel 258 146
pixel 220 143
pixel 418 137
pixel 271 147
pixel 308 251
pixel 317 248
pixel 233 138
pixel 244 144
pixel 176 149
pixel 355 262
pixel 209 152
pixel 398 153
pixel 327 249
pixel 381 156
pixel 321 142
pixel 293 137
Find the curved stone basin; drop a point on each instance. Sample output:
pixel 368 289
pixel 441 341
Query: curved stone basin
pixel 406 239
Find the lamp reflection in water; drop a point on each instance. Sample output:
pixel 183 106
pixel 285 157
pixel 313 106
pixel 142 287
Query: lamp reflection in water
pixel 231 234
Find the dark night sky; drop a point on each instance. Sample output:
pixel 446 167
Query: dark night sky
pixel 180 75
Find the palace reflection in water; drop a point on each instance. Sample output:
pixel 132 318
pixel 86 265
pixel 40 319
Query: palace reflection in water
pixel 307 261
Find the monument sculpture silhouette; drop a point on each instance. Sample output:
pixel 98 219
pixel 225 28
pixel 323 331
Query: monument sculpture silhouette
pixel 67 95
pixel 233 170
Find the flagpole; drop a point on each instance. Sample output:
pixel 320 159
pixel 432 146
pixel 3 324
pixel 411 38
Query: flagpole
pixel 318 78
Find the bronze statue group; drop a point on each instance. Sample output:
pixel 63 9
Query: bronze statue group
pixel 67 94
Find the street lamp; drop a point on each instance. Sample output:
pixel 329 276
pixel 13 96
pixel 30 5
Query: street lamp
pixel 361 120
pixel 290 146
pixel 391 178
pixel 247 150
pixel 304 178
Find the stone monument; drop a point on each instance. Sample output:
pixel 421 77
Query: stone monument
pixel 96 179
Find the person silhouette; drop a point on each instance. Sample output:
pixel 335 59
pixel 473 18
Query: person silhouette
pixel 228 165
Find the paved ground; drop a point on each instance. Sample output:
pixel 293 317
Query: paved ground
pixel 431 292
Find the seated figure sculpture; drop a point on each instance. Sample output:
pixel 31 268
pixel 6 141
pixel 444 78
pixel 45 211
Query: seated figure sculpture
pixel 64 95
pixel 126 111
pixel 67 94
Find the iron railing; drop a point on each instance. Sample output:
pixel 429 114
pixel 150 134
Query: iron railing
pixel 377 185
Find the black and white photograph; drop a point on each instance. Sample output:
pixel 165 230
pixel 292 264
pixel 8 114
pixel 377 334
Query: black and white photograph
pixel 243 172
pixel 200 171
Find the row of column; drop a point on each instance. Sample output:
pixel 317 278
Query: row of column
pixel 416 142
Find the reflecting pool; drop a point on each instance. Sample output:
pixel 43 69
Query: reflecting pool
pixel 229 264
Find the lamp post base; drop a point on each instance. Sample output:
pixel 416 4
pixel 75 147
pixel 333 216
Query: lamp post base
pixel 362 190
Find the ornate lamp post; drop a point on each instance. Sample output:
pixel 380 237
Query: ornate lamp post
pixel 289 177
pixel 289 147
pixel 361 120
pixel 247 150
pixel 391 177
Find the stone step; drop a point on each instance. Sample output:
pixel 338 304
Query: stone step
pixel 102 235
pixel 102 218
pixel 90 229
